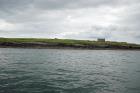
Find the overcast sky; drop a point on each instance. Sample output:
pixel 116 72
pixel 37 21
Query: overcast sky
pixel 117 20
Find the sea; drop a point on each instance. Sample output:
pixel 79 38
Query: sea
pixel 69 71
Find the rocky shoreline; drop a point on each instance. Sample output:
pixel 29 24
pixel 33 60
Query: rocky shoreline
pixel 63 46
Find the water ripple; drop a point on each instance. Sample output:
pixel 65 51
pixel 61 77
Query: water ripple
pixel 69 71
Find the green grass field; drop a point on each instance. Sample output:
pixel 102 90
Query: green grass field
pixel 67 42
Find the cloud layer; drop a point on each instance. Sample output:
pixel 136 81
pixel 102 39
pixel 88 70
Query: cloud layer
pixel 116 20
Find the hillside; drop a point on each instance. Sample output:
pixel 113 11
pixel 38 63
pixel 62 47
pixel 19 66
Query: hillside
pixel 64 43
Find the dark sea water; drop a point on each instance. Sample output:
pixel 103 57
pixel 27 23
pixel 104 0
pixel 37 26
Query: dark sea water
pixel 69 71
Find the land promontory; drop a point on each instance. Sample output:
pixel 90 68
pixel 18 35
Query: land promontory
pixel 64 44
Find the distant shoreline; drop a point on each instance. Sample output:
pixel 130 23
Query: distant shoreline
pixel 62 47
pixel 65 44
pixel 70 48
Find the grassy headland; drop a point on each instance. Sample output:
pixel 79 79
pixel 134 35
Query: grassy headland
pixel 64 43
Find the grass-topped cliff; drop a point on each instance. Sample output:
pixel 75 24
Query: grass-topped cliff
pixel 64 43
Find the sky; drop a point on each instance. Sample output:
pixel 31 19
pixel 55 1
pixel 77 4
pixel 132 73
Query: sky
pixel 115 20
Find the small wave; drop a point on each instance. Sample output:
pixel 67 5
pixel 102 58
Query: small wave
pixel 65 70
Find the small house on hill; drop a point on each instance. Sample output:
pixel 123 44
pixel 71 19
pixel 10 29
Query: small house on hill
pixel 101 40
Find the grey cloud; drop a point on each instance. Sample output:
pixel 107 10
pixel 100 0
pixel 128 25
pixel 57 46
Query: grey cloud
pixel 66 19
pixel 26 10
pixel 7 5
pixel 95 32
pixel 10 6
pixel 70 4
